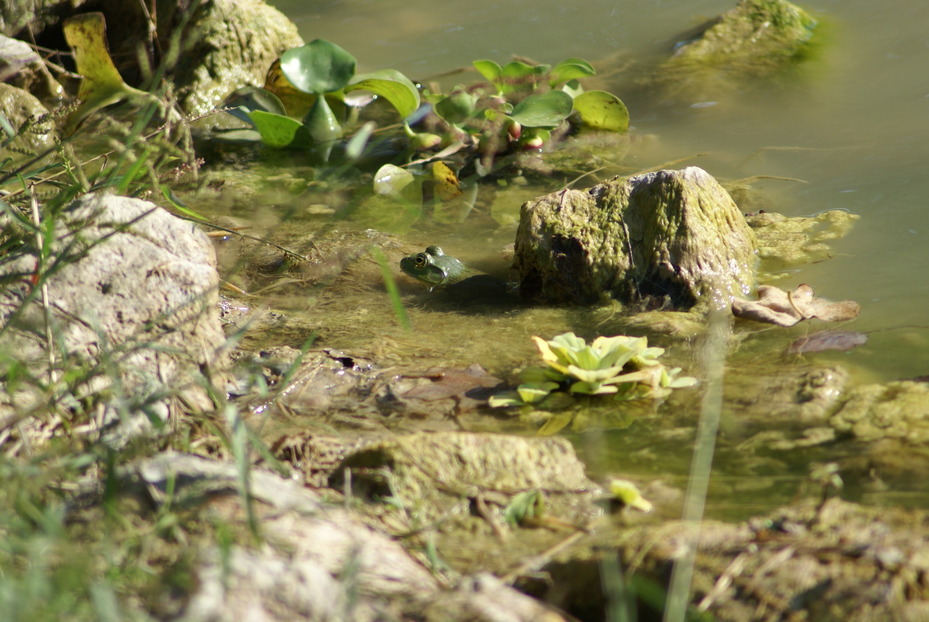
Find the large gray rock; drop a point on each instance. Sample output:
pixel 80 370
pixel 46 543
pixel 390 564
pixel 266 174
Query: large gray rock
pixel 317 561
pixel 132 298
pixel 671 235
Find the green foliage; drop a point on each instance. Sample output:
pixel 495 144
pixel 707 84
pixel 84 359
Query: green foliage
pixel 302 105
pixel 522 104
pixel 622 366
pixel 318 67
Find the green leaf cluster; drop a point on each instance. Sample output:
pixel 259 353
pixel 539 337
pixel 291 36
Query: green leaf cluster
pixel 623 366
pixel 303 103
pixel 527 102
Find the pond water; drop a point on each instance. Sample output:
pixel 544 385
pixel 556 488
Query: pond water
pixel 851 126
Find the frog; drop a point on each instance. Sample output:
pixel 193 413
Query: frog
pixel 433 266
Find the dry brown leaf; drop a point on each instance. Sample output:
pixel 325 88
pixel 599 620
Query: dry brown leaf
pixel 828 340
pixel 775 306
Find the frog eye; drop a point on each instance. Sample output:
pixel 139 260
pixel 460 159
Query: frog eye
pixel 421 260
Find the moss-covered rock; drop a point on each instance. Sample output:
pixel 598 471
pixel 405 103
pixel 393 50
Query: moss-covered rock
pixel 674 235
pixel 26 115
pixel 757 38
pixel 766 32
pixel 897 410
pixel 223 44
pixel 784 241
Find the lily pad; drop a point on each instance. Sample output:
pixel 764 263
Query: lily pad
pixel 546 110
pixel 775 306
pixel 602 111
pixel 318 67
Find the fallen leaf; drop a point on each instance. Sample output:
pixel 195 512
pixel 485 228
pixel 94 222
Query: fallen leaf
pixel 447 186
pixel 775 306
pixel 451 382
pixel 822 341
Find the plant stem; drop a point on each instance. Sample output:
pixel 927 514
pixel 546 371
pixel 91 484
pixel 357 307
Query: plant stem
pixel 713 360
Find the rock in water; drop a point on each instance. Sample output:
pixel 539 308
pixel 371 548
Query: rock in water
pixel 669 235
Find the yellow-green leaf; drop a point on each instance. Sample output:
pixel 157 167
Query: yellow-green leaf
pixel 602 111
pixel 392 86
pixel 101 84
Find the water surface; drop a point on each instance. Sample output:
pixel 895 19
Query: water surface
pixel 850 126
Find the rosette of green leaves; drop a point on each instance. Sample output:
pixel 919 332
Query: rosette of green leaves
pixel 620 365
pixel 599 110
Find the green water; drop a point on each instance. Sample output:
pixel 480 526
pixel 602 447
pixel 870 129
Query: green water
pixel 853 129
pixel 851 126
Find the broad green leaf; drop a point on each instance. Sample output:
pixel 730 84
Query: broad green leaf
pixel 570 69
pixel 296 103
pixel 488 68
pixel 535 392
pixel 546 110
pixel 516 70
pixel 250 98
pixel 602 111
pixel 392 86
pixel 279 131
pixel 556 423
pixel 101 84
pixel 592 388
pixel 536 375
pixel 457 107
pixel 318 67
pixel 519 76
pixel 502 400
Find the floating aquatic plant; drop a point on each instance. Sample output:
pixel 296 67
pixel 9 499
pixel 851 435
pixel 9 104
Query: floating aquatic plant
pixel 621 365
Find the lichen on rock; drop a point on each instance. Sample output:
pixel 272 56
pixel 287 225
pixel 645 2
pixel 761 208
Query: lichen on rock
pixel 672 235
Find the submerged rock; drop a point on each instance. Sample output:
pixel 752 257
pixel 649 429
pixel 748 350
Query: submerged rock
pixel 754 32
pixel 668 235
pixel 895 410
pixel 756 38
pixel 434 471
pixel 785 241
